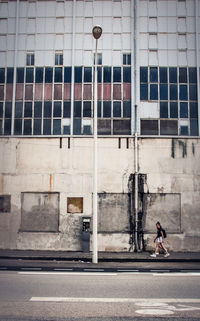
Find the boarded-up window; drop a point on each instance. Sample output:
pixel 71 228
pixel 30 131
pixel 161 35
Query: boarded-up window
pixel 5 203
pixel 40 212
pixel 149 127
pixel 75 205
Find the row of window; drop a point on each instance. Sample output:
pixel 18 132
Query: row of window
pixel 178 110
pixel 59 74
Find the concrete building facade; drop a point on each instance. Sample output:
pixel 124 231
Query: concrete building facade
pixel 148 123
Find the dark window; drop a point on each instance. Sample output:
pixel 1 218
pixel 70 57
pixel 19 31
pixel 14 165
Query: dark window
pixel 173 92
pixel 20 75
pixel 193 75
pixel 30 59
pixel 7 126
pixel 168 127
pixel 154 92
pixel 29 75
pixel 1 129
pixel 27 127
pixel 8 110
pixel 184 131
pixel 99 74
pixel 77 126
pixel 163 92
pixel 78 74
pixel 67 109
pixel 1 109
pixel 18 109
pixel 5 203
pixel 38 109
pixel 87 130
pixel 47 109
pixel 66 130
pixel 67 74
pixel 48 74
pixel 106 109
pixel 107 74
pixel 56 126
pixel 153 74
pixel 183 75
pixel 18 127
pixel 37 127
pixel 183 95
pixel 149 127
pixel 126 59
pixel 104 126
pixel 87 74
pixel 116 74
pixel 164 110
pixel 10 75
pixel 39 75
pixel 87 109
pixel 117 109
pixel 58 74
pixel 47 126
pixel 58 59
pixel 173 75
pixel 99 108
pixel 183 110
pixel 121 127
pixel 144 74
pixel 193 110
pixel 127 74
pixel 144 92
pixel 193 92
pixel 173 109
pixel 2 75
pixel 28 109
pixel 77 109
pixel 163 75
pixel 126 109
pixel 57 109
pixel 193 127
pixel 99 58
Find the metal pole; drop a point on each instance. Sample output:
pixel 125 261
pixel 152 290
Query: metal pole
pixel 95 165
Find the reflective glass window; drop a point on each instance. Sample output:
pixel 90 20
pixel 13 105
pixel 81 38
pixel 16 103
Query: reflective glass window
pixel 117 109
pixel 193 75
pixel 173 75
pixel 154 92
pixel 28 109
pixel 184 130
pixel 58 74
pixel 116 74
pixel 67 74
pixel 104 126
pixel 47 126
pixel 56 126
pixel 173 92
pixel 107 74
pixel 149 127
pixel 77 108
pixel 99 108
pixel 48 74
pixel 10 75
pixel 8 110
pixel 183 110
pixel 183 94
pixel 106 109
pixel 163 109
pixel 163 92
pixel 18 109
pixel 121 127
pixel 126 109
pixel 87 112
pixel 163 75
pixel 126 74
pixel 173 109
pixel 193 92
pixel 144 74
pixel 78 74
pixel 87 74
pixel 47 109
pixel 18 127
pixel 38 109
pixel 99 74
pixel 37 127
pixel 153 74
pixel 183 75
pixel 1 109
pixel 57 109
pixel 29 75
pixel 193 110
pixel 20 75
pixel 39 75
pixel 77 126
pixel 194 127
pixel 168 127
pixel 67 109
pixel 2 75
pixel 27 127
pixel 144 92
pixel 7 126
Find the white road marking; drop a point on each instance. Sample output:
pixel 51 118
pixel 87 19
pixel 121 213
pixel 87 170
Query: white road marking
pixel 176 274
pixel 68 273
pixel 128 270
pixel 95 270
pixel 154 312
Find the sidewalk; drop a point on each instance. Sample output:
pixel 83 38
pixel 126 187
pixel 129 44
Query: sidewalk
pixel 102 256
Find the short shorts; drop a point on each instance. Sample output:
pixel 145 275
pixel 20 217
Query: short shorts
pixel 159 239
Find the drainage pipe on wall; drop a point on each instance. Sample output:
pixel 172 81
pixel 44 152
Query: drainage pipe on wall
pixel 197 58
pixel 72 80
pixel 15 65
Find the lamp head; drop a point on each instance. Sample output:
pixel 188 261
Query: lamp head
pixel 97 31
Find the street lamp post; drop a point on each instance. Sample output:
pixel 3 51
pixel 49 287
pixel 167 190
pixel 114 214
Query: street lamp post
pixel 96 31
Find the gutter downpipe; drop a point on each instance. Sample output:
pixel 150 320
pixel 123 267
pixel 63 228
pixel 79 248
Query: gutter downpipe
pixel 15 66
pixel 72 80
pixel 197 58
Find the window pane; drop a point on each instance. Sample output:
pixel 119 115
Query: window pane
pixel 193 75
pixel 38 109
pixel 48 74
pixel 87 74
pixel 77 126
pixel 183 75
pixel 67 74
pixel 164 110
pixel 127 74
pixel 107 74
pixel 99 108
pixel 37 127
pixel 104 127
pixel 193 92
pixel 183 92
pixel 1 109
pixel 173 75
pixel 116 74
pixel 56 126
pixel 39 75
pixel 87 130
pixel 121 127
pixel 2 75
pixel 163 75
pixel 66 130
pixel 27 127
pixel 106 109
pixel 193 127
pixel 173 92
pixel 143 92
pixel 99 74
pixel 77 109
pixel 47 109
pixel 183 110
pixel 29 75
pixel 173 110
pixel 144 74
pixel 78 74
pixel 116 109
pixel 10 74
pixel 18 109
pixel 163 92
pixel 57 109
pixel 127 109
pixel 8 110
pixel 58 74
pixel 47 127
pixel 154 92
pixel 124 59
pixel 1 129
pixel 184 130
pixel 67 109
pixel 129 59
pixel 193 110
pixel 7 126
pixel 169 127
pixel 18 127
pixel 20 75
pixel 87 109
pixel 149 127
pixel 153 74
pixel 28 109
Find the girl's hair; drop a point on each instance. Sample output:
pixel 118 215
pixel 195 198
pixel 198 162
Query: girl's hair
pixel 158 223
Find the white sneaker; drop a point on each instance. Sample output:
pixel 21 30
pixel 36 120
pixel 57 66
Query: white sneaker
pixel 166 255
pixel 153 255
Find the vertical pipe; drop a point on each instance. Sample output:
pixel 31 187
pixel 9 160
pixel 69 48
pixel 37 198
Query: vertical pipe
pixel 95 165
pixel 197 58
pixel 72 80
pixel 15 65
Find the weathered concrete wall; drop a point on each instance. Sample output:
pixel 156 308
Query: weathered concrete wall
pixel 39 165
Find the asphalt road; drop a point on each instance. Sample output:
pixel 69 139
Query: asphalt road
pixel 97 295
